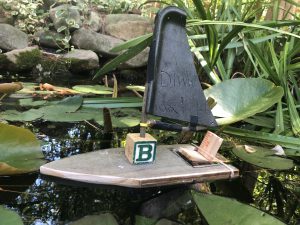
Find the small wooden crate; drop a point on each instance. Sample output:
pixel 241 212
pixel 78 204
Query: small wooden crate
pixel 140 150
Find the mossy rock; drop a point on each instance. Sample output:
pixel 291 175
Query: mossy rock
pixel 23 59
pixel 51 68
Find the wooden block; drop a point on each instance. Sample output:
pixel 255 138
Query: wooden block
pixel 139 150
pixel 210 145
pixel 192 155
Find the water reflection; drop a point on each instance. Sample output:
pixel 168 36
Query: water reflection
pixel 42 201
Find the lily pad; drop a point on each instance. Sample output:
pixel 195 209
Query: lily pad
pixel 27 116
pixel 102 219
pixel 238 99
pixel 9 217
pixel 31 103
pixel 79 115
pixel 70 110
pixel 44 89
pixel 125 117
pixel 67 105
pixel 219 210
pixel 93 89
pixel 262 157
pixel 55 111
pixel 121 102
pixel 20 151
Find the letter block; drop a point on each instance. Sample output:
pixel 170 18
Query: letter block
pixel 140 150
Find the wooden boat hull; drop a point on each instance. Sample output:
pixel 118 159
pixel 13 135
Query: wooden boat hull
pixel 110 167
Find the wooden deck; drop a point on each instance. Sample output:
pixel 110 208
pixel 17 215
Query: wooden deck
pixel 110 167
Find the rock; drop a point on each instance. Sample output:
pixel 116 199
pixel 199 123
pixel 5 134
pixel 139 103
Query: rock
pixel 52 68
pixel 82 60
pixel 49 39
pixel 4 17
pixel 65 16
pixel 132 76
pixel 12 38
pixel 90 40
pixel 6 20
pixel 23 59
pixel 139 60
pixel 115 18
pixel 127 26
pixel 166 222
pixel 94 21
pixel 166 205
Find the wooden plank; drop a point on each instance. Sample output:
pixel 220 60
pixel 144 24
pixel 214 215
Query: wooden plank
pixel 110 167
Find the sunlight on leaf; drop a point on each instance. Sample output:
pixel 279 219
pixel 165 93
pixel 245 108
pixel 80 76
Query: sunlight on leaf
pixel 136 88
pixel 238 99
pixel 20 151
pixel 93 89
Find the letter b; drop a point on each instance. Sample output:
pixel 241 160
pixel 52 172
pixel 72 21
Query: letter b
pixel 145 152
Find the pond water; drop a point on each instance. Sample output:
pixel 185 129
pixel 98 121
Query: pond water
pixel 42 201
pixel 39 200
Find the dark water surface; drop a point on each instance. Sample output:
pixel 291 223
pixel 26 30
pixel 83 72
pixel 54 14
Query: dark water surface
pixel 40 200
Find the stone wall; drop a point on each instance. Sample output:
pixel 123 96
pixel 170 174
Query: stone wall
pixel 90 39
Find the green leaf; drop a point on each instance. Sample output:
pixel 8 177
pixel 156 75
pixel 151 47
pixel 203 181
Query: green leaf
pixel 67 105
pixel 292 152
pixel 79 115
pixel 27 116
pixel 136 88
pixel 70 110
pixel 30 102
pixel 93 89
pixel 20 151
pixel 102 219
pixel 62 28
pixel 131 43
pixel 56 110
pixel 294 115
pixel 213 76
pixel 238 44
pixel 238 99
pixel 262 157
pixel 114 105
pixel 265 66
pixel 227 39
pixel 130 53
pixel 220 210
pixel 263 137
pixel 279 122
pixel 9 217
pixel 262 26
pixel 111 100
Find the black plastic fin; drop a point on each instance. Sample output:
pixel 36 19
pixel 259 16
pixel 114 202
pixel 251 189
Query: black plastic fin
pixel 174 90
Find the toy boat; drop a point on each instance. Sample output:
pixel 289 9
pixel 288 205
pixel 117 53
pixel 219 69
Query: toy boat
pixel 173 91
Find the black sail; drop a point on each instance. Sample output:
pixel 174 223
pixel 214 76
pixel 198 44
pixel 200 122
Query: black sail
pixel 173 87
